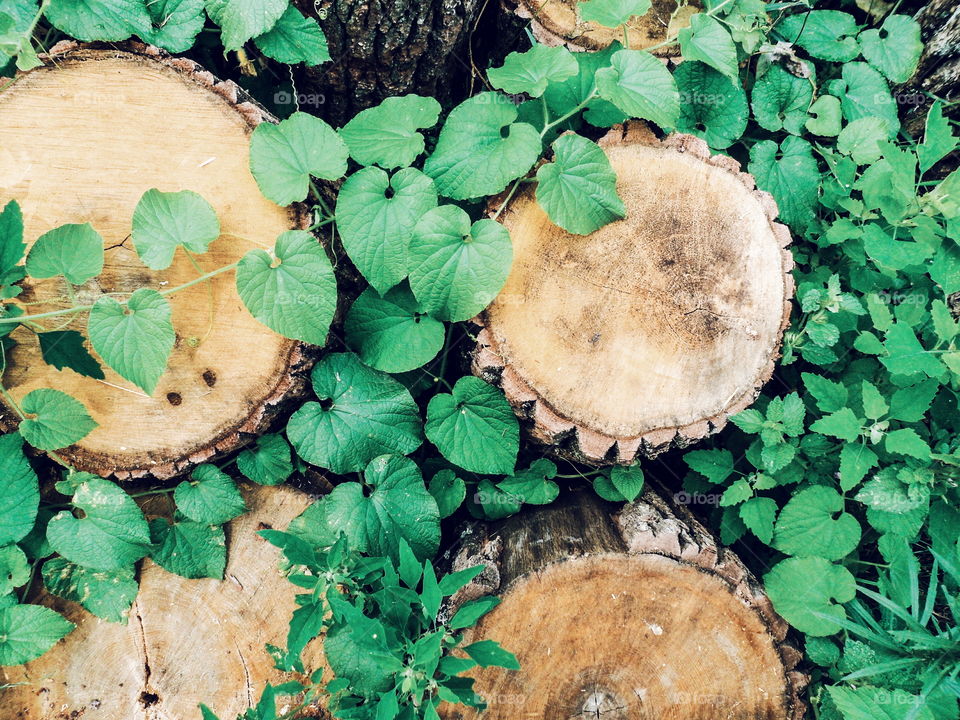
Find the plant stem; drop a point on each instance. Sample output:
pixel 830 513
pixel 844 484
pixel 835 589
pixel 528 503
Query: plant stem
pixel 320 201
pixel 590 96
pixel 506 200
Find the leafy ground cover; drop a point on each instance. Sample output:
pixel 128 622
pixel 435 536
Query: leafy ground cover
pixel 839 485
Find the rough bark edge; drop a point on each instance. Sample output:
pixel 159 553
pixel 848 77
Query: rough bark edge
pixel 649 526
pixel 565 438
pixel 294 380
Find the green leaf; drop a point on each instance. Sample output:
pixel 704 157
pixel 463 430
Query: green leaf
pixel 175 24
pixel 386 135
pixel 640 85
pixel 938 141
pixel 494 503
pixel 65 349
pixel 628 481
pixel 108 594
pixel 793 178
pixel 578 189
pixel 60 420
pixel 856 459
pixel 738 491
pixel 108 20
pixel 911 403
pixel 780 100
pixel 294 39
pixel 470 613
pixel 843 424
pixel 894 49
pixel 74 251
pixel 711 107
pixel 905 441
pixel 824 117
pixel 481 149
pixel 163 221
pixel 488 653
pixel 873 703
pixel 715 465
pixel 134 339
pixel 269 463
pixel 376 214
pixel 28 631
pixel 392 333
pixel 804 589
pixel 448 490
pixel 242 20
pixel 758 514
pixel 905 354
pixel 564 97
pixel 112 534
pixel 612 13
pixel 824 34
pixel 284 156
pixel 362 414
pixel 293 293
pixel 474 427
pixel 864 93
pixel 862 139
pixel 19 491
pixel 14 569
pixel 534 485
pixel 12 246
pixel 190 549
pixel 874 404
pixel 210 496
pixel 457 269
pixel 814 524
pixel 529 72
pixel 706 40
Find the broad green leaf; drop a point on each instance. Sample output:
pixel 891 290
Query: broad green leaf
pixel 874 404
pixel 294 39
pixel 134 339
pixel 495 504
pixel 457 268
pixel 905 441
pixel 790 175
pixel 448 490
pixel 190 549
pixel 830 396
pixel 65 349
pixel 108 594
pixel 711 107
pixel 706 40
pixel 470 613
pixel 875 703
pixel 814 524
pixel 54 419
pixel 392 333
pixel 611 13
pixel 640 85
pixel 357 651
pixel 842 424
pixel 911 403
pixel 108 20
pixel 210 496
pixel 534 485
pixel 162 221
pixel 825 115
pixel 74 251
pixel 578 189
pixel 362 414
pixel 862 139
pixel 376 214
pixel 737 492
pixel 780 100
pixel 284 156
pixel 938 142
pixel 387 135
pixel 112 534
pixel 269 463
pixel 905 354
pixel 28 631
pixel 863 93
pixel 14 569
pixel 488 653
pixel 804 589
pixel 628 481
pixel 175 24
pixel 293 293
pixel 242 20
pixel 529 72
pixel 481 148
pixel 19 491
pixel 758 514
pixel 715 465
pixel 474 427
pixel 825 34
pixel 856 459
pixel 564 97
pixel 12 246
pixel 894 49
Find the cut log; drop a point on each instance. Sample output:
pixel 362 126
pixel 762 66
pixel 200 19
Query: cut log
pixel 651 331
pixel 638 615
pixel 186 642
pixel 81 139
pixel 558 22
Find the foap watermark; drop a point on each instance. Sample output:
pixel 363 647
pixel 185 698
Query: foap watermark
pixel 697 498
pixel 301 100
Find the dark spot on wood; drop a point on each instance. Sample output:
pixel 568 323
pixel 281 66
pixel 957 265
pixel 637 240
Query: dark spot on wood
pixel 264 526
pixel 210 378
pixel 148 699
pixel 174 398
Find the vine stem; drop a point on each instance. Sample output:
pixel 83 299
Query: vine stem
pixel 590 96
pixel 506 200
pixel 673 38
pixel 320 201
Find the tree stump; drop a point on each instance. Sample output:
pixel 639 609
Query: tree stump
pixel 938 73
pixel 653 330
pixel 186 642
pixel 82 138
pixel 638 614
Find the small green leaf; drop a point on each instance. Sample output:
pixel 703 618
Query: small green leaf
pixel 758 514
pixel 65 349
pixel 269 463
pixel 210 496
pixel 706 40
pixel 789 173
pixel 824 117
pixel 862 139
pixel 108 594
pixel 74 251
pixel 715 465
pixel 12 246
pixel 534 485
pixel 628 481
pixel 54 419
pixel 640 85
pixel 529 72
pixel 711 107
pixel 780 100
pixel 135 339
pixel 864 93
pixel 243 20
pixel 190 549
pixel 175 24
pixel 164 221
pixel 387 135
pixel 856 459
pixel 470 613
pixel 474 427
pixel 90 20
pixel 14 569
pixel 814 524
pixel 842 424
pixel 938 142
pixel 294 39
pixel 905 441
pixel 488 653
pixel 804 589
pixel 284 156
pixel 19 491
pixel 894 49
pixel 448 490
pixel 28 631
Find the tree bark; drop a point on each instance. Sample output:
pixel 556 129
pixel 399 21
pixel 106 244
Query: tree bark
pixel 652 331
pixel 382 48
pixel 186 641
pixel 636 613
pixel 84 136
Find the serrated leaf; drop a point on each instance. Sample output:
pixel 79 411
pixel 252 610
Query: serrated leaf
pixel 387 135
pixel 825 34
pixel 19 491
pixel 175 24
pixel 804 589
pixel 862 139
pixel 864 93
pixel 269 463
pixel 791 176
pixel 758 514
pixel 842 424
pixel 640 85
pixel 54 419
pixel 134 339
pixel 163 221
pixel 108 20
pixel 74 251
pixel 578 189
pixel 938 140
pixel 905 354
pixel 715 465
pixel 108 594
pixel 855 462
pixel 813 524
pixel 906 441
pixel 529 72
pixel 65 349
pixel 294 39
pixel 293 293
pixel 894 49
pixel 242 20
pixel 706 40
pixel 711 107
pixel 210 496
pixel 189 549
pixel 780 100
pixel 28 631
